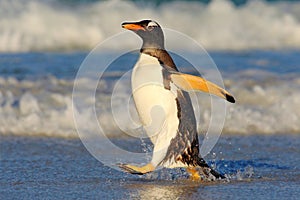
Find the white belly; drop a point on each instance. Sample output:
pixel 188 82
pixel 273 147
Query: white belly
pixel 155 105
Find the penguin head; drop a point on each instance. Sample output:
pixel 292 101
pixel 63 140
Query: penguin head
pixel 150 32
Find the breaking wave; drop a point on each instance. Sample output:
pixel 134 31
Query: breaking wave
pixel 44 106
pixel 57 25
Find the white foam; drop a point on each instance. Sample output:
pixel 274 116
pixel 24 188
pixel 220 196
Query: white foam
pixel 28 104
pixel 49 25
pixel 263 107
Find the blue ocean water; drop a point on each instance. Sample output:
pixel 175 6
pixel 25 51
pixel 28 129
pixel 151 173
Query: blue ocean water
pixel 254 44
pixel 66 65
pixel 259 167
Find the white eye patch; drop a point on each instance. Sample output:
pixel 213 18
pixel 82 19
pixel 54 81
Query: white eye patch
pixel 153 24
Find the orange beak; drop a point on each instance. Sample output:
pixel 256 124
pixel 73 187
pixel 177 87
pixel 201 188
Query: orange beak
pixel 132 26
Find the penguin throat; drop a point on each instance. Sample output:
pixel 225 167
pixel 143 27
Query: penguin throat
pixel 153 45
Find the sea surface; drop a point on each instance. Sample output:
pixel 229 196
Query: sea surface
pixel 258 167
pixel 36 92
pixel 42 156
pixel 48 47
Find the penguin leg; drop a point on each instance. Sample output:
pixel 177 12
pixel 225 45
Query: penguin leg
pixel 137 170
pixel 194 174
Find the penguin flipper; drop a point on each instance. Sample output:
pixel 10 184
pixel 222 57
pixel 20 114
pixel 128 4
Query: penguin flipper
pixel 189 82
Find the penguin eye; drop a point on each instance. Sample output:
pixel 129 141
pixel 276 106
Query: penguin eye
pixel 151 26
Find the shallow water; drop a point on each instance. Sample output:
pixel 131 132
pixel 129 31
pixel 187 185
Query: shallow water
pixel 54 168
pixel 41 156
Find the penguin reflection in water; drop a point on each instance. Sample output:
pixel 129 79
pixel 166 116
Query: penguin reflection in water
pixel 156 82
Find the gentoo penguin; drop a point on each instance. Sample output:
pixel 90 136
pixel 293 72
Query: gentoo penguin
pixel 160 93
